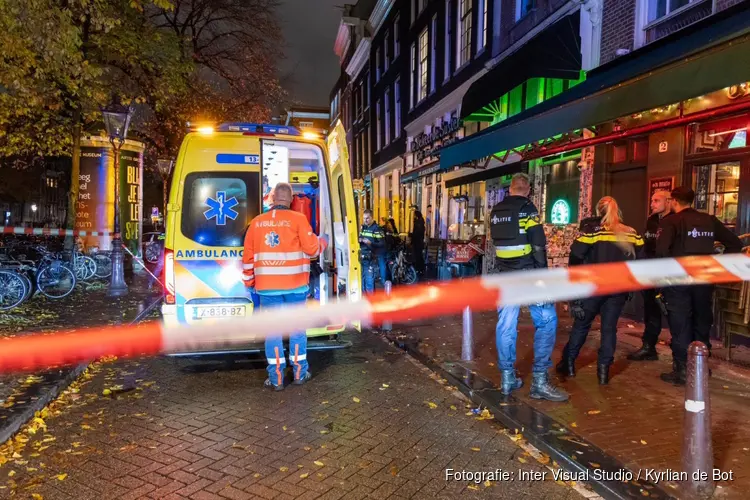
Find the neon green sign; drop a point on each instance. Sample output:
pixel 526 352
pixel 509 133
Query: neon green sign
pixel 560 213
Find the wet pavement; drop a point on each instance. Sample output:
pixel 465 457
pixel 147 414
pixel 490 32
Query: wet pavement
pixel 637 419
pixel 371 423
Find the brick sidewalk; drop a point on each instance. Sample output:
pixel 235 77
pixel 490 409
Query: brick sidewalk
pixel 371 423
pixel 637 418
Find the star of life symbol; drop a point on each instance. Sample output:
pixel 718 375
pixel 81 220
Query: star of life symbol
pixel 221 208
pixel 272 239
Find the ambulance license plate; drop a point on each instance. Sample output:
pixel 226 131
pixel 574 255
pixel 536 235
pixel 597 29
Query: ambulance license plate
pixel 208 312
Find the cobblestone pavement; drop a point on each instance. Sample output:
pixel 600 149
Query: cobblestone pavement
pixel 371 423
pixel 637 418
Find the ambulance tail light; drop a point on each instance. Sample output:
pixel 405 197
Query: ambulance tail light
pixel 169 276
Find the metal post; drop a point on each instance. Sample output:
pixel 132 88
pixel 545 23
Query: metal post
pixel 387 325
pixel 697 448
pixel 117 286
pixel 164 214
pixel 467 342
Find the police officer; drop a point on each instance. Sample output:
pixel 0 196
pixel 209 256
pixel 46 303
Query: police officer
pixel 689 232
pixel 372 253
pixel 652 316
pixel 520 244
pixel 601 239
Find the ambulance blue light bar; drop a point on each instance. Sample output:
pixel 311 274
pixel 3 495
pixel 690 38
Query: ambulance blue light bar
pixel 258 128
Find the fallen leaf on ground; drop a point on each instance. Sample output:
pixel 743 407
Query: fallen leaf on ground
pixel 284 428
pixel 431 405
pixel 476 449
pixel 283 469
pixel 593 412
pixel 595 465
pixel 643 441
pixel 307 448
pixel 86 427
pixel 11 473
pixel 355 399
pixel 487 484
pixel 453 407
pixel 386 386
pixel 61 477
pixel 574 424
pixel 522 460
pixel 37 496
pixel 473 487
pixel 303 476
pixel 324 432
pixel 319 463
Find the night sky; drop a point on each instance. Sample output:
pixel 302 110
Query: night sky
pixel 309 28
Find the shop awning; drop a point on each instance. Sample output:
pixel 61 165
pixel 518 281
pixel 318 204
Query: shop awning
pixel 553 53
pixel 704 57
pixel 487 174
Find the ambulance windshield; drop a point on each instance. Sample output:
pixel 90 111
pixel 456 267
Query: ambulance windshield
pixel 218 206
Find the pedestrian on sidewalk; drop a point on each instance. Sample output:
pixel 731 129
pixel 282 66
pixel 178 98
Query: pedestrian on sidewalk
pixel 652 316
pixel 276 265
pixel 689 232
pixel 601 239
pixel 520 244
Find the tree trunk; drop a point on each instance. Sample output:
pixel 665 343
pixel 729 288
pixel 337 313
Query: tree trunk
pixel 75 171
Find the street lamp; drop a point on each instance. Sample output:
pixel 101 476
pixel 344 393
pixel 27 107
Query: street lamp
pixel 116 121
pixel 165 166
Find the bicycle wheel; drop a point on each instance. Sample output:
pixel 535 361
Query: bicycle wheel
pixel 56 280
pixel 12 290
pixel 80 269
pixel 103 265
pixel 29 284
pixel 90 267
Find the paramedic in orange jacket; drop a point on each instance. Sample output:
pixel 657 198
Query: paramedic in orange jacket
pixel 276 264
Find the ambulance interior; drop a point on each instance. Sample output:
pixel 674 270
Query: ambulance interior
pixel 302 166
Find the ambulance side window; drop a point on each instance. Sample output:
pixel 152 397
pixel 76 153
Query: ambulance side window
pixel 218 206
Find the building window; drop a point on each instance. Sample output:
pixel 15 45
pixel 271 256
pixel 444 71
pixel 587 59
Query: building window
pixel 523 7
pixel 377 64
pixel 386 51
pixel 397 108
pixel 423 76
pixel 396 38
pixel 413 76
pixel 387 113
pixel 447 62
pixel 463 54
pixel 433 53
pixel 377 125
pixel 483 8
pixel 366 91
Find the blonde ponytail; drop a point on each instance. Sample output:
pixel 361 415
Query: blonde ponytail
pixel 610 213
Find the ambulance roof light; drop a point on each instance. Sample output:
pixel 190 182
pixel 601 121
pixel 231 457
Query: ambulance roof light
pixel 258 128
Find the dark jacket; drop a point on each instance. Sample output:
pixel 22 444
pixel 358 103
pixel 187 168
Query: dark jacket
pixel 691 232
pixel 650 236
pixel 417 234
pixel 518 235
pixel 596 244
pixel 376 237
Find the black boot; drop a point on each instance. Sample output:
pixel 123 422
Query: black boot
pixel 645 353
pixel 510 382
pixel 542 388
pixel 566 367
pixel 602 372
pixel 678 374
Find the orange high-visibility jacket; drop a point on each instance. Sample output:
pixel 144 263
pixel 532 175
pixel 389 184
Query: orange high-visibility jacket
pixel 278 248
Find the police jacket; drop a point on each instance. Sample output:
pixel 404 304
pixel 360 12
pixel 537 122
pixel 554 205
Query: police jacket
pixel 691 232
pixel 650 236
pixel 518 235
pixel 376 238
pixel 596 244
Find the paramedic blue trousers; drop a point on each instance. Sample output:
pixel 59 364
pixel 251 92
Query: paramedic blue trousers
pixel 544 317
pixel 275 347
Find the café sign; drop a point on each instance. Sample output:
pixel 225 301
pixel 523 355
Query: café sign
pixel 426 145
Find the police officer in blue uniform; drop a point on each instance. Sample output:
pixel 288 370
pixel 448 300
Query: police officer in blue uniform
pixel 689 232
pixel 520 244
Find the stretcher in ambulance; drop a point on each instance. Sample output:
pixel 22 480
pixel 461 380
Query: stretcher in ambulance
pixel 221 181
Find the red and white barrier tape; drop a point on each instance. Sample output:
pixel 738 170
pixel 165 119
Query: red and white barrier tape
pixel 34 352
pixel 45 231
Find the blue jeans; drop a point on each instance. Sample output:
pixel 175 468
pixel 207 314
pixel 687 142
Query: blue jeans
pixel 545 322
pixel 275 346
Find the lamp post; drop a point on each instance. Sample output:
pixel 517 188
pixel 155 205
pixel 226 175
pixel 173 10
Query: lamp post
pixel 165 166
pixel 117 120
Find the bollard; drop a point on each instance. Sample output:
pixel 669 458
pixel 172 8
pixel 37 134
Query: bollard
pixel 387 325
pixel 697 448
pixel 467 342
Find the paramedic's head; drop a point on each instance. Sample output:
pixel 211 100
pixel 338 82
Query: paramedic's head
pixel 659 202
pixel 520 186
pixel 282 194
pixel 367 217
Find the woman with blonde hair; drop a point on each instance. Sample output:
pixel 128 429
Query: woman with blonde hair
pixel 602 239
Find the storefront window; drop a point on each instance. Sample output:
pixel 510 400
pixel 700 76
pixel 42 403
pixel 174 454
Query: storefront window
pixel 717 190
pixel 466 211
pixel 721 135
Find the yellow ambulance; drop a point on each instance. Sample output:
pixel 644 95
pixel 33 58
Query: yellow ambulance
pixel 222 178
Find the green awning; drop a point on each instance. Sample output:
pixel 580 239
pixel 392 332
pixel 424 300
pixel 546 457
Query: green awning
pixel 702 58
